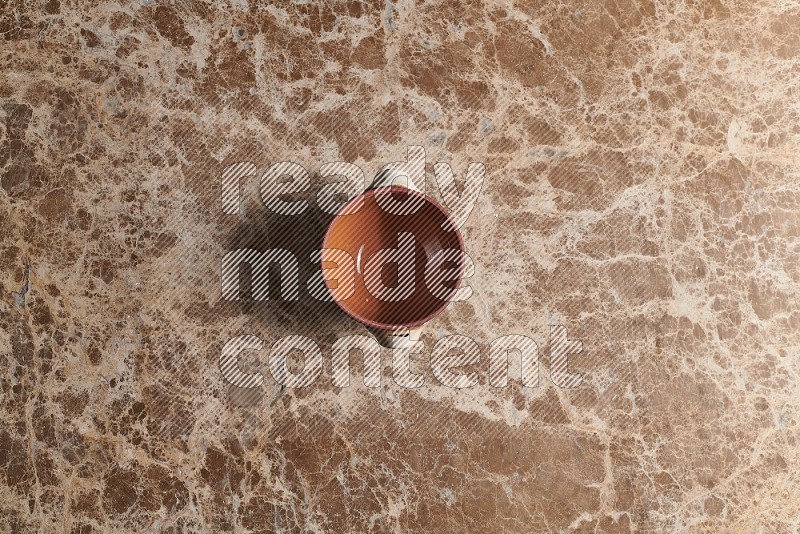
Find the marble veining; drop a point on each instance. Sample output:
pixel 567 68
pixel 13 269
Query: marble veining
pixel 641 189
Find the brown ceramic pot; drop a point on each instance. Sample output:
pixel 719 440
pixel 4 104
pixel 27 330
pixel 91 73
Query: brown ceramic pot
pixel 384 246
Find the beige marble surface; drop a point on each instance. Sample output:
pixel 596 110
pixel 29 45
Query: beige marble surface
pixel 642 189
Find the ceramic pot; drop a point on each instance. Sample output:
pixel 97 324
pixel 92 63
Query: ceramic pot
pixel 392 259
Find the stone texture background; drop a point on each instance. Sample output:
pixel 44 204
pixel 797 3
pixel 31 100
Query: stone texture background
pixel 642 189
